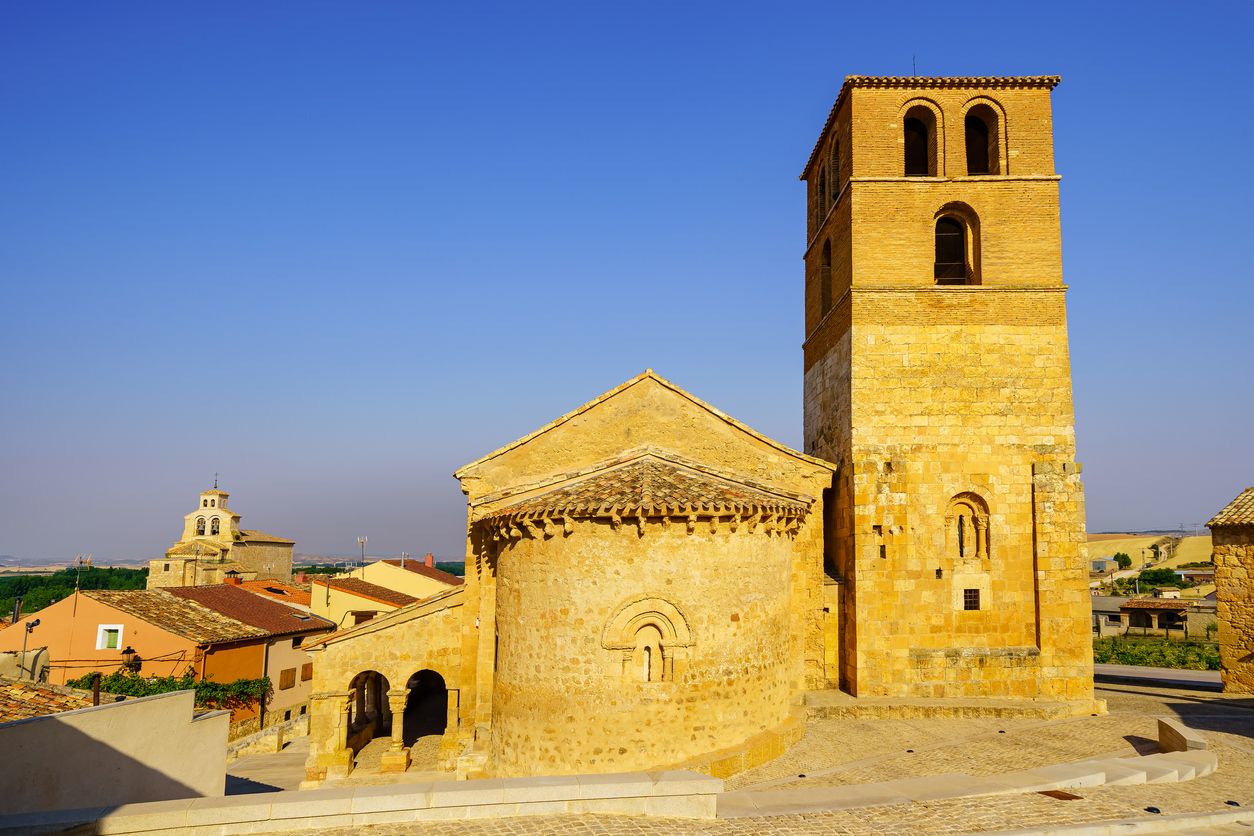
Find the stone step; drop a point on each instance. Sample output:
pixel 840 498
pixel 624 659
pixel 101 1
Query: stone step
pixel 1122 772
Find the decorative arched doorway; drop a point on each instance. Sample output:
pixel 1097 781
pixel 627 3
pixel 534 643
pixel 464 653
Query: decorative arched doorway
pixel 370 716
pixel 426 707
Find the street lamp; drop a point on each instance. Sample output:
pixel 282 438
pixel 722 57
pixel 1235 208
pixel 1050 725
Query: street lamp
pixel 361 541
pixel 30 627
pixel 131 660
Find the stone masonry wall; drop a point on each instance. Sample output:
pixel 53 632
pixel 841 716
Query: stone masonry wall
pixel 563 702
pixel 1234 583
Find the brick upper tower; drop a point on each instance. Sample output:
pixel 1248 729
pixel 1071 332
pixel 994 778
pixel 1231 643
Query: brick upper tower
pixel 937 377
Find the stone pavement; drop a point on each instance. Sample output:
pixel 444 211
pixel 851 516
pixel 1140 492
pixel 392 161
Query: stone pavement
pixel 841 752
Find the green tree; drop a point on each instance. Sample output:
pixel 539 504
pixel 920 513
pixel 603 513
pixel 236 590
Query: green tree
pixel 1123 561
pixel 1161 577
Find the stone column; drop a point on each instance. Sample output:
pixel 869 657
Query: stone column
pixel 396 758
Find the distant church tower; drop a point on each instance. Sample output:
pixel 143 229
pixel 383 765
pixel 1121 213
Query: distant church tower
pixel 213 544
pixel 937 377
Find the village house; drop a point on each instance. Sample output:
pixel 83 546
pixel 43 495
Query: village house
pixel 417 578
pixel 289 667
pixel 168 632
pixel 346 602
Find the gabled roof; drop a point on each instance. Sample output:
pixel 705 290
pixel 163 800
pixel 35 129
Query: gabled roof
pixel 420 568
pixel 365 589
pixel 176 615
pixel 21 700
pixel 273 618
pixel 1049 82
pixel 1239 511
pixel 440 601
pixel 647 374
pixel 262 537
pixel 1155 604
pixel 277 591
pixel 651 483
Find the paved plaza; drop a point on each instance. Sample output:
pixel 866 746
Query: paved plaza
pixel 845 752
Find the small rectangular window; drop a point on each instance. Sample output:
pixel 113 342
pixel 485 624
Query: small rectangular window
pixel 297 642
pixel 167 568
pixel 302 711
pixel 109 637
pixel 287 679
pixel 287 715
pixel 306 672
pixel 970 599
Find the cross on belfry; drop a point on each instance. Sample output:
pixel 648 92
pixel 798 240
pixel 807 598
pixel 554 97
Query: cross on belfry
pixel 215 481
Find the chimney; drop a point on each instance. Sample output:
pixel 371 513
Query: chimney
pixel 430 559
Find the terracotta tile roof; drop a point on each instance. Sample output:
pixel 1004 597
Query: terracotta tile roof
pixel 1154 604
pixel 420 568
pixel 262 537
pixel 1239 511
pixel 176 615
pixel 654 485
pixel 277 591
pixel 270 616
pixel 25 699
pixel 1049 82
pixel 365 589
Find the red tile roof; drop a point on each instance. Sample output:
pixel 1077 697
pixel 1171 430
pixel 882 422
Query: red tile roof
pixel 176 614
pixel 277 591
pixel 25 699
pixel 1155 604
pixel 1239 511
pixel 254 610
pixel 371 591
pixel 420 568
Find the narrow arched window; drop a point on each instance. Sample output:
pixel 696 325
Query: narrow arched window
pixel 200 525
pixel 977 144
pixel 962 535
pixel 822 195
pixel 917 148
pixel 982 132
pixel 951 251
pixel 835 168
pixel 213 526
pixel 649 654
pixel 825 279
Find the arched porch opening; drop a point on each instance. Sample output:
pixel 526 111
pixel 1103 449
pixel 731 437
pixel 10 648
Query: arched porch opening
pixel 369 713
pixel 426 707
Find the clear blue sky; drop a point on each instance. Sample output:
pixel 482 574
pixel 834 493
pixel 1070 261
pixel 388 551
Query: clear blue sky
pixel 334 251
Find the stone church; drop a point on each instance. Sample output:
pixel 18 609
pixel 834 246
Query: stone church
pixel 650 583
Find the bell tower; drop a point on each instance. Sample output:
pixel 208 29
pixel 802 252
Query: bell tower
pixel 937 377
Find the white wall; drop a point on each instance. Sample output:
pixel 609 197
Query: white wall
pixel 147 749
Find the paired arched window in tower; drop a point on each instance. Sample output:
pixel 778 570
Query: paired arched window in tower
pixel 213 526
pixel 982 130
pixel 200 525
pixel 825 279
pixel 919 128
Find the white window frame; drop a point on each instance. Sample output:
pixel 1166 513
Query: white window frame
pixel 102 644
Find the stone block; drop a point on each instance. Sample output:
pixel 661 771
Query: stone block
pixel 1174 736
pixel 467 793
pixel 390 797
pixel 682 781
pixel 615 785
pixel 682 806
pixel 541 788
pixel 156 815
pixel 331 801
pixel 228 809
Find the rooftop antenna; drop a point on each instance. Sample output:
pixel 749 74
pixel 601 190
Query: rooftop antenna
pixel 215 481
pixel 914 65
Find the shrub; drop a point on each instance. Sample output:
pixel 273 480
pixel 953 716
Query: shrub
pixel 209 694
pixel 1156 653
